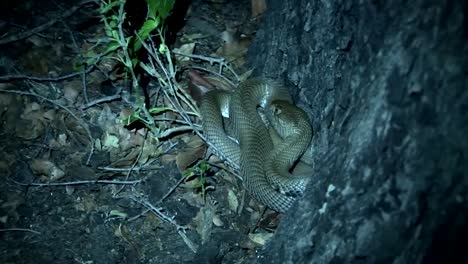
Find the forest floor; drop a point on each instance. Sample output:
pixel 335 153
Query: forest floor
pixel 77 185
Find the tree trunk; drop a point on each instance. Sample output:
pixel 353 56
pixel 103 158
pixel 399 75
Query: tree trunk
pixel 385 86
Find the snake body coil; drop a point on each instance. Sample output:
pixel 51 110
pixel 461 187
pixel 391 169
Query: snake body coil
pixel 263 165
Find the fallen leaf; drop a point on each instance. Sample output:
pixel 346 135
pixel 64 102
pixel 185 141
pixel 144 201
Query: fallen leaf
pixel 193 151
pixel 185 49
pixel 260 238
pixel 167 158
pixel 71 91
pixel 46 167
pixel 217 221
pixel 232 201
pixel 110 141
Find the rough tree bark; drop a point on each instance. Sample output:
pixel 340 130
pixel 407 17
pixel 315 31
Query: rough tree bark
pixel 385 84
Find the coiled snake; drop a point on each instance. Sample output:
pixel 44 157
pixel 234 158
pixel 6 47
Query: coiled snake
pixel 232 124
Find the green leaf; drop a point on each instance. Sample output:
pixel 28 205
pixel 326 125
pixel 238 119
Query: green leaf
pixel 113 22
pixel 136 46
pixel 158 110
pixel 114 34
pixel 113 46
pixel 78 66
pixel 163 48
pixel 146 68
pixel 106 7
pixel 148 27
pixel 165 8
pixel 199 183
pixel 134 62
pixel 135 116
pixel 204 166
pixel 90 60
pixel 160 8
pixel 187 172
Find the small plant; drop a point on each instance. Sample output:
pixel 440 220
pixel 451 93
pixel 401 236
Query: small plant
pixel 123 49
pixel 197 175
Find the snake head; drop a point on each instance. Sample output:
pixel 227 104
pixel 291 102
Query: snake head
pixel 287 119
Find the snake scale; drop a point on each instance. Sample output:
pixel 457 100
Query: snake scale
pixel 233 125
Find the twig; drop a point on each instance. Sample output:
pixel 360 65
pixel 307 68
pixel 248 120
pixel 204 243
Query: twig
pixel 169 131
pixel 83 84
pixel 133 218
pixel 139 168
pixel 2 22
pixel 101 100
pixel 221 61
pixel 20 229
pixel 85 127
pixel 179 121
pixel 134 164
pixel 171 190
pixel 211 60
pixel 79 183
pixel 160 200
pixel 9 78
pixel 158 211
pixel 215 73
pixel 174 100
pixel 47 25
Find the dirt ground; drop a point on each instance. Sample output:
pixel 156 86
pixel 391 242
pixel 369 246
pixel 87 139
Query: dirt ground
pixel 79 186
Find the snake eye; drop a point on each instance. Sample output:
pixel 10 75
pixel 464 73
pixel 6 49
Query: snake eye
pixel 276 109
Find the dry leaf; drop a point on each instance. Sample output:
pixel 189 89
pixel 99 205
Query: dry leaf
pixel 260 238
pixel 49 115
pixel 185 49
pixel 194 151
pixel 232 201
pixel 70 92
pixel 217 221
pixel 47 168
pixel 110 141
pixel 167 158
pixel 125 113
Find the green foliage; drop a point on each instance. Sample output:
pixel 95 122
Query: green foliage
pixel 160 8
pixel 149 26
pixel 138 115
pixel 199 171
pixel 113 19
pixel 123 46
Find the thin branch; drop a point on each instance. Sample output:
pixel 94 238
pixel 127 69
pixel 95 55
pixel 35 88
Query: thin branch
pixel 160 200
pixel 221 61
pixel 158 211
pixel 171 190
pixel 134 163
pixel 211 60
pixel 106 99
pixel 215 73
pixel 79 183
pixel 9 78
pixel 139 168
pixel 169 131
pixel 20 229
